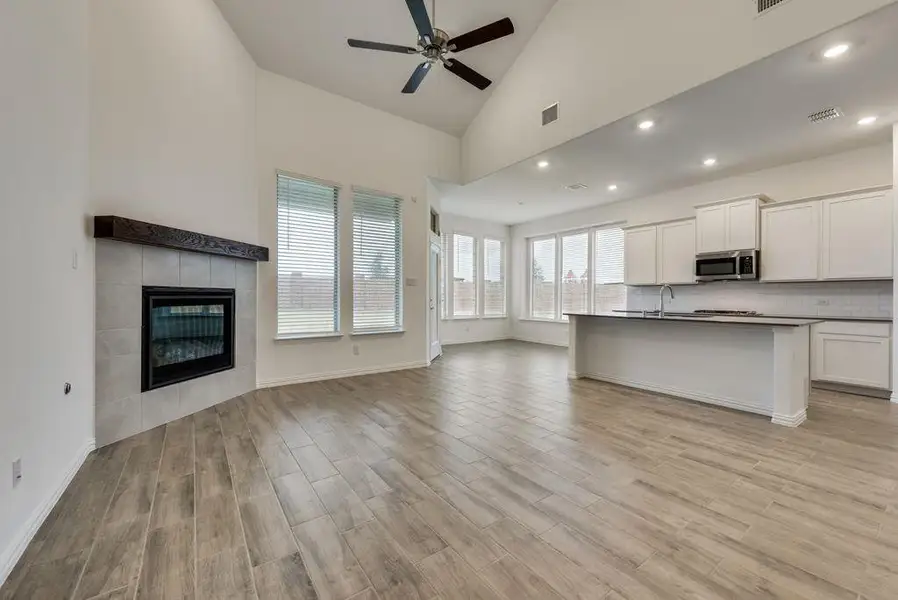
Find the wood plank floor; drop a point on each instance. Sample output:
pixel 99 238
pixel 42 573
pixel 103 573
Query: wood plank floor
pixel 487 476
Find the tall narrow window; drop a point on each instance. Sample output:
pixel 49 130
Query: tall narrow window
pixel 610 291
pixel 464 276
pixel 493 278
pixel 575 273
pixel 376 262
pixel 307 258
pixel 542 279
pixel 444 275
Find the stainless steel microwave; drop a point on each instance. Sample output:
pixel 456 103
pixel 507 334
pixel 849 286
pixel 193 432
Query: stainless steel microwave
pixel 724 266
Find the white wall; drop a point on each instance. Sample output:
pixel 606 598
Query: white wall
pixel 468 330
pixel 304 130
pixel 172 117
pixel 605 60
pixel 46 306
pixel 895 280
pixel 866 167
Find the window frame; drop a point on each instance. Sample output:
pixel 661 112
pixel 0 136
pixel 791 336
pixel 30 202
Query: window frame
pixel 448 275
pixel 478 305
pixel 338 288
pixel 399 308
pixel 503 266
pixel 591 257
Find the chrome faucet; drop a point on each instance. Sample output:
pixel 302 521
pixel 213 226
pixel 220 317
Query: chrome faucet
pixel 672 296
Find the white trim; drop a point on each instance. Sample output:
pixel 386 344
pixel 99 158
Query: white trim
pixel 688 395
pixel 340 374
pixel 378 332
pixel 298 337
pixel 536 341
pixel 16 549
pixel 479 340
pixel 790 421
pixel 895 397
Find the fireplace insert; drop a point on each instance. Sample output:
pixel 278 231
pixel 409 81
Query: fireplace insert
pixel 187 333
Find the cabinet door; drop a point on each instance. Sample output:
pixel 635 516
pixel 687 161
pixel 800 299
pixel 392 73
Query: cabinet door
pixel 640 256
pixel 790 242
pixel 710 229
pixel 742 225
pixel 853 360
pixel 676 252
pixel 857 237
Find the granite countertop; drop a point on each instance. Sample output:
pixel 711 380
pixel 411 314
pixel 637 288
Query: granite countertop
pixel 680 317
pixel 830 318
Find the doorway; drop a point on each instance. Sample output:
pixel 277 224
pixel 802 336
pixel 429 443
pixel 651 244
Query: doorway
pixel 433 289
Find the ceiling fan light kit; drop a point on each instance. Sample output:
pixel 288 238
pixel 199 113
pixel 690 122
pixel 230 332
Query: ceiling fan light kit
pixel 434 45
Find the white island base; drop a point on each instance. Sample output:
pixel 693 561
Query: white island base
pixel 755 365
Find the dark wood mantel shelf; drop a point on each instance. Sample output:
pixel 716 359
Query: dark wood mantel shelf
pixel 149 234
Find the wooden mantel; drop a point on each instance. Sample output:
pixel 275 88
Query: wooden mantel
pixel 150 234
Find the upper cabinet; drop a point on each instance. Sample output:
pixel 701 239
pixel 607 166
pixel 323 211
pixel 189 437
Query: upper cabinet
pixel 857 236
pixel 790 242
pixel 730 225
pixel 676 252
pixel 658 254
pixel 640 256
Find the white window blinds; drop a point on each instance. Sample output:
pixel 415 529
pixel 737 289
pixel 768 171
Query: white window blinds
pixel 376 262
pixel 610 291
pixel 444 274
pixel 542 279
pixel 307 257
pixel 575 273
pixel 464 272
pixel 493 278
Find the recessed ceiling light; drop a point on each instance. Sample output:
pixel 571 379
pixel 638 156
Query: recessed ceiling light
pixel 710 161
pixel 612 187
pixel 646 125
pixel 543 164
pixel 867 121
pixel 836 51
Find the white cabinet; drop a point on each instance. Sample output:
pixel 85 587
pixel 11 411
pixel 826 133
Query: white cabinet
pixel 676 252
pixel 726 226
pixel 857 237
pixel 790 242
pixel 640 256
pixel 852 353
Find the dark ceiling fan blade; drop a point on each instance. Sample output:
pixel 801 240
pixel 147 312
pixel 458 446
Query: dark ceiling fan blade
pixel 380 46
pixel 485 34
pixel 467 73
pixel 422 21
pixel 417 77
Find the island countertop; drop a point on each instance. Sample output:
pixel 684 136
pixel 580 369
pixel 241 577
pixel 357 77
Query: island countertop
pixel 734 320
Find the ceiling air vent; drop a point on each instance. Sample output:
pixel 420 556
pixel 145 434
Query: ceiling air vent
pixel 765 5
pixel 574 187
pixel 550 115
pixel 827 114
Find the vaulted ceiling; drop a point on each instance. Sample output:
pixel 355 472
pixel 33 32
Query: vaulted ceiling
pixel 306 40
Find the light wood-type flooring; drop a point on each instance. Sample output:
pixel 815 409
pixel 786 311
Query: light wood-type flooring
pixel 487 476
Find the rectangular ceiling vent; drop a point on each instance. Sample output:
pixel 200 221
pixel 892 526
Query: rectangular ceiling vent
pixel 827 114
pixel 550 115
pixel 766 5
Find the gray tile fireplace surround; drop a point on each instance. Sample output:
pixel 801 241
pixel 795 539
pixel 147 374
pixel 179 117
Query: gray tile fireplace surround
pixel 122 269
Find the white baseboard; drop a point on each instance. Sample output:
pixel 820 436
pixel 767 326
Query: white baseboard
pixel 704 398
pixel 340 374
pixel 478 341
pixel 14 552
pixel 895 397
pixel 536 341
pixel 790 420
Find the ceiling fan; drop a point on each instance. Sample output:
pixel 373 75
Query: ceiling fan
pixel 435 44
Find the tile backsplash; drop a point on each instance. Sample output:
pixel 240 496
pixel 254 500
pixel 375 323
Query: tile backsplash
pixel 824 299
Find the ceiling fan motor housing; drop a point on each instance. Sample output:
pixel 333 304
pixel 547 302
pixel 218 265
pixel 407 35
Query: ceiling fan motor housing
pixel 438 47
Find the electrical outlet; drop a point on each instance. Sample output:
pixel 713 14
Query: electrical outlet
pixel 16 472
pixel 355 349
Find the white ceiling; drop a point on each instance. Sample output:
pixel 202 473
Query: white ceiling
pixel 749 119
pixel 306 40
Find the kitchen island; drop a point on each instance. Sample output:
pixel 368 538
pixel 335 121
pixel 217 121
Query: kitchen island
pixel 754 364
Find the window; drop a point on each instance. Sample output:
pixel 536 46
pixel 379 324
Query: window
pixel 464 276
pixel 575 273
pixel 542 279
pixel 493 278
pixel 610 291
pixel 376 262
pixel 445 240
pixel 307 263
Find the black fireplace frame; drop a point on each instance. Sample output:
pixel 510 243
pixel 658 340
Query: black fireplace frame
pixel 160 377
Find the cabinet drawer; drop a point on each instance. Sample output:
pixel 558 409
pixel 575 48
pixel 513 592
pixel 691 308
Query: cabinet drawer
pixel 881 330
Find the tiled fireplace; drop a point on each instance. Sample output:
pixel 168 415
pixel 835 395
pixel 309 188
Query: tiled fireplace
pixel 176 333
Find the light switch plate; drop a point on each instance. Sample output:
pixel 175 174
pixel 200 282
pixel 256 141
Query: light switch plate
pixel 16 472
pixel 411 282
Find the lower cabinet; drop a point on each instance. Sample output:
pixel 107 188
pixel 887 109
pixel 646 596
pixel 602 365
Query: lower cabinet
pixel 852 353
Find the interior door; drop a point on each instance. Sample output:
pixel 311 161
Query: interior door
pixel 436 348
